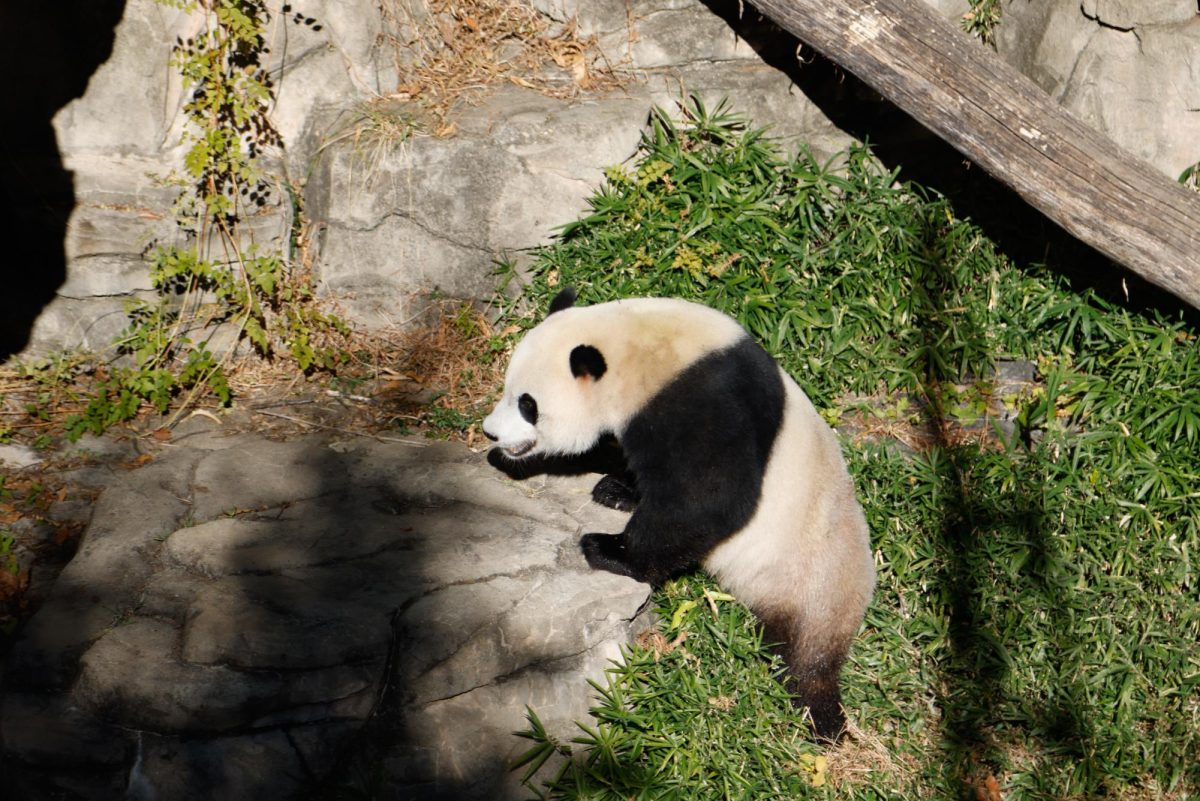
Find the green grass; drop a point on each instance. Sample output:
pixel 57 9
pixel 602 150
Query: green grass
pixel 703 717
pixel 1037 614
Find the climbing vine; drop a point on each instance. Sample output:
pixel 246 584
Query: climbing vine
pixel 219 281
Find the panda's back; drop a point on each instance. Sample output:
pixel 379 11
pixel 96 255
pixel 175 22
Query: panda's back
pixel 677 331
pixel 653 340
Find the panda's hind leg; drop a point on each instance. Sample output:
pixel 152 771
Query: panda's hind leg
pixel 813 676
pixel 815 687
pixel 616 492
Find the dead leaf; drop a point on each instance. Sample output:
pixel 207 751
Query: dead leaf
pixel 65 533
pixel 988 789
pixel 575 62
pixel 12 584
pixel 161 434
pixel 408 90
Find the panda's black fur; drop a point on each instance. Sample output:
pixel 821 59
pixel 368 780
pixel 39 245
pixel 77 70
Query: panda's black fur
pixel 713 437
pixel 682 509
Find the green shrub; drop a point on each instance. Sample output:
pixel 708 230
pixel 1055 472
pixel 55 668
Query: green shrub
pixel 1038 608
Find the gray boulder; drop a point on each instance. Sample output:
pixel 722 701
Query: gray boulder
pixel 249 616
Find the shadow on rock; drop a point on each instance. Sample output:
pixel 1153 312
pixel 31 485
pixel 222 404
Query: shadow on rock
pixel 311 618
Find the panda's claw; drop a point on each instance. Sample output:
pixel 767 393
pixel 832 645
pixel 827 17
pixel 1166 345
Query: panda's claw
pixel 614 493
pixel 606 552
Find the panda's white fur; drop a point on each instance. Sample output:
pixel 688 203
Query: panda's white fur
pixel 652 339
pixel 729 468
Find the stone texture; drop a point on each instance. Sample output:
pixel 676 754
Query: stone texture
pixel 434 214
pixel 1130 14
pixel 102 584
pixel 131 102
pixel 52 730
pixel 15 456
pixel 243 614
pixel 1128 69
pixel 340 62
pixel 218 767
pixel 438 213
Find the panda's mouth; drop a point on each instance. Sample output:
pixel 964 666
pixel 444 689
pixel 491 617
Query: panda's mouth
pixel 519 449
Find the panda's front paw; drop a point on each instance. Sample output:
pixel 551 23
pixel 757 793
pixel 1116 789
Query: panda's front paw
pixel 614 493
pixel 606 552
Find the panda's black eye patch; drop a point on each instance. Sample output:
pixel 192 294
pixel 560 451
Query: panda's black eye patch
pixel 527 406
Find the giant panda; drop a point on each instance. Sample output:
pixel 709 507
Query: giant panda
pixel 729 467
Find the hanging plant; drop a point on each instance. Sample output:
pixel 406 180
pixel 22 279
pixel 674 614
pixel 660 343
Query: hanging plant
pixel 219 277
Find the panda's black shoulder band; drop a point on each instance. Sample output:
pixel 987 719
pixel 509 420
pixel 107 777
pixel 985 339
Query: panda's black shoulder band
pixel 563 300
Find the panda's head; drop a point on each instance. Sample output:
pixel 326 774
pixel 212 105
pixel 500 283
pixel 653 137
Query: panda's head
pixel 584 372
pixel 551 390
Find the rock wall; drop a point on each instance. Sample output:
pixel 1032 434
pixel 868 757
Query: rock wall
pixel 435 213
pixel 1128 68
pixel 439 212
pixel 121 142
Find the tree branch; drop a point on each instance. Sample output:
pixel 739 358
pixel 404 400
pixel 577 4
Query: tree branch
pixel 1001 120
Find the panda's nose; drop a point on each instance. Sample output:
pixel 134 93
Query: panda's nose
pixel 490 435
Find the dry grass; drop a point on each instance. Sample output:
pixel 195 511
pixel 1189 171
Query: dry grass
pixel 964 417
pixel 37 396
pixel 397 378
pixel 454 363
pixel 434 377
pixel 452 52
pixel 862 758
pixel 454 353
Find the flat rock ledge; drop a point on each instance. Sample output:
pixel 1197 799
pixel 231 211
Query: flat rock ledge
pixel 249 617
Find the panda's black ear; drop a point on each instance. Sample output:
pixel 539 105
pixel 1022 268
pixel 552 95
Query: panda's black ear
pixel 563 300
pixel 587 362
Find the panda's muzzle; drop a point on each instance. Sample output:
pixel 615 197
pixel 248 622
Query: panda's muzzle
pixel 514 451
pixel 520 449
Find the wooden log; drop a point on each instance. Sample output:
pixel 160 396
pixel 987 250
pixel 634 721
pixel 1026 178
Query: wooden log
pixel 1003 121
